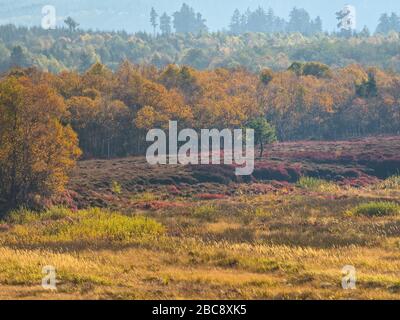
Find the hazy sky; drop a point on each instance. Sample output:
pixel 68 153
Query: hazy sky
pixel 133 15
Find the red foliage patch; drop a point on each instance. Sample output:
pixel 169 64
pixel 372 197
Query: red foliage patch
pixel 173 190
pixel 65 199
pixel 209 196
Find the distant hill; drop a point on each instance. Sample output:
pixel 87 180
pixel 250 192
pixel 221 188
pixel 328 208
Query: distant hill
pixel 133 15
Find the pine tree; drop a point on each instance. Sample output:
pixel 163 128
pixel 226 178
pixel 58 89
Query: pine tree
pixel 317 25
pixel 388 23
pixel 18 57
pixel 394 22
pixel 299 21
pixel 236 23
pixel 200 24
pixel 365 32
pixel 153 20
pixel 270 19
pixel 72 24
pixel 257 21
pixel 165 24
pixel 383 26
pixel 188 21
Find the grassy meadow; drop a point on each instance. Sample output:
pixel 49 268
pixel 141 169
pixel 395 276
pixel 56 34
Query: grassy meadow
pixel 126 239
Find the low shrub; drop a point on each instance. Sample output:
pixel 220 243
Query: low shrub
pixel 223 174
pixel 206 212
pixel 376 209
pixel 116 188
pixel 315 184
pixel 276 172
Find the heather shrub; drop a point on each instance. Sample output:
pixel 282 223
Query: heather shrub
pixel 210 196
pixel 223 174
pixel 386 167
pixel 272 173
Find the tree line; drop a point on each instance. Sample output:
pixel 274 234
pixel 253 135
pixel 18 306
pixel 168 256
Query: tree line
pixel 260 20
pixel 74 49
pixel 388 23
pixel 187 20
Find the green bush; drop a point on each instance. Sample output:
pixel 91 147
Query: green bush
pixel 315 184
pixel 205 212
pixel 116 187
pixel 376 209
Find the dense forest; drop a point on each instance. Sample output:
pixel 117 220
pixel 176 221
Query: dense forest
pixel 112 111
pixel 58 50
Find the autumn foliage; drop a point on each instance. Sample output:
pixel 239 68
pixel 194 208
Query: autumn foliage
pixel 36 149
pixel 112 111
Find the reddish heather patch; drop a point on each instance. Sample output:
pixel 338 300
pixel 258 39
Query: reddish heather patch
pixel 4 227
pixel 375 156
pixel 360 182
pixel 65 199
pixel 357 162
pixel 173 190
pixel 209 196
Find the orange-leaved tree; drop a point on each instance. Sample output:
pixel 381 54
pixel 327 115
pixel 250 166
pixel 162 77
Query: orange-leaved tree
pixel 36 150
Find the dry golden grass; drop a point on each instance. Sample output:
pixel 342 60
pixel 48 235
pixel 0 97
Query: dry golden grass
pixel 274 246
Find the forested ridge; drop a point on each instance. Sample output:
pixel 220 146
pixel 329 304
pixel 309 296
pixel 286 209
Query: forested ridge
pixel 63 49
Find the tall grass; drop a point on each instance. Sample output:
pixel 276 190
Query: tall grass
pixel 88 226
pixel 391 183
pixel 23 267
